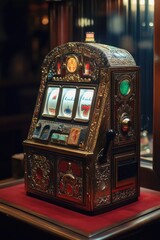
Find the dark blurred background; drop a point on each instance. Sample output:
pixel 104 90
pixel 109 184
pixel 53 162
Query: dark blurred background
pixel 24 41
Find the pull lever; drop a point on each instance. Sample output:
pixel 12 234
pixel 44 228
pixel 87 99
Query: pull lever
pixel 110 135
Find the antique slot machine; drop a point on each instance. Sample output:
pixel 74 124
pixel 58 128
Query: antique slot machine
pixel 82 150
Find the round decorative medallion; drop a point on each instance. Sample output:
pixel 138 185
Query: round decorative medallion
pixel 72 64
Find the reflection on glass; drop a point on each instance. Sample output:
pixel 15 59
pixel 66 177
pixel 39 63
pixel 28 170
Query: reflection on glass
pixel 51 101
pixel 84 104
pixel 67 103
pixel 146 146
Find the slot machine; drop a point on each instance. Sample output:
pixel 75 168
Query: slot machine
pixel 82 149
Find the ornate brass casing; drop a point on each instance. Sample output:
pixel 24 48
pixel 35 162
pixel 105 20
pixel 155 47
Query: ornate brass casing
pixel 82 150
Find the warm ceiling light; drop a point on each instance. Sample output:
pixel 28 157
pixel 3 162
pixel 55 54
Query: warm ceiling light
pixel 45 20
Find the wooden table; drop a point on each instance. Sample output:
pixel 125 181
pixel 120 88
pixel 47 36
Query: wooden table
pixel 23 217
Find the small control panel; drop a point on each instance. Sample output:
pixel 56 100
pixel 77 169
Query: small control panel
pixel 60 133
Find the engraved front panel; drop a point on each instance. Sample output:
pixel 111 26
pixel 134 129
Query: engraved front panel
pixel 39 173
pixel 70 180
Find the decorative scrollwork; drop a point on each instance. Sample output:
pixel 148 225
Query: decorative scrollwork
pixel 125 104
pixel 102 99
pixel 69 184
pixel 123 194
pixel 102 185
pixel 39 173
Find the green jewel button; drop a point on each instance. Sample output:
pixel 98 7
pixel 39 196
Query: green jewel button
pixel 125 87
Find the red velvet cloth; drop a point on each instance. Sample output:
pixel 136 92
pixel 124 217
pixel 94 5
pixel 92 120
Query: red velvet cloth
pixel 70 219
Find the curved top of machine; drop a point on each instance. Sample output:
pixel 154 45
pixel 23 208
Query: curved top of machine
pixel 115 56
pixel 103 54
pixel 81 62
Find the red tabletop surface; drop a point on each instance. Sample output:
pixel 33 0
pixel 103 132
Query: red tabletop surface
pixel 70 219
